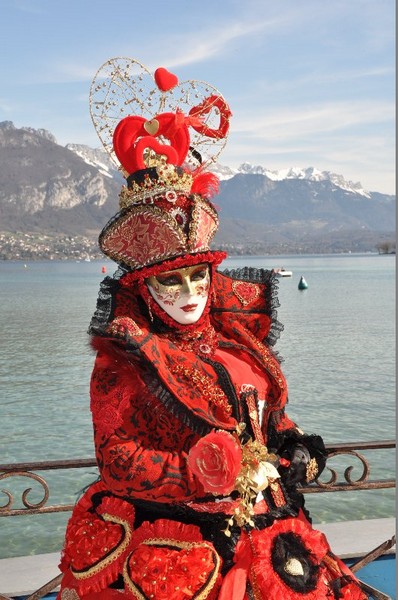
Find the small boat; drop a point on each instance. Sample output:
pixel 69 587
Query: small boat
pixel 302 285
pixel 103 270
pixel 281 272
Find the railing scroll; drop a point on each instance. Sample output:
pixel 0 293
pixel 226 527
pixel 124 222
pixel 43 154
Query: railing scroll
pixel 336 482
pixel 347 482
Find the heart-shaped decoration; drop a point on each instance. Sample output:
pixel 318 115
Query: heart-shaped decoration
pixel 151 127
pixel 165 80
pixel 130 84
pixel 149 142
pixel 130 141
pixel 159 571
pixel 246 292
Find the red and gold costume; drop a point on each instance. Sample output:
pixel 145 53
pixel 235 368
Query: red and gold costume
pixel 186 417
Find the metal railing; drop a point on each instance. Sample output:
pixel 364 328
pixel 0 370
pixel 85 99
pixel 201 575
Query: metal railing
pixel 341 478
pixel 337 482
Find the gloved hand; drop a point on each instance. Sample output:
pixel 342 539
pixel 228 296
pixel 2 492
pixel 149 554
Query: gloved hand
pixel 297 470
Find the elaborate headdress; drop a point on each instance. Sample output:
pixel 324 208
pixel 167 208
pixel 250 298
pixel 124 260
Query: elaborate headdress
pixel 163 151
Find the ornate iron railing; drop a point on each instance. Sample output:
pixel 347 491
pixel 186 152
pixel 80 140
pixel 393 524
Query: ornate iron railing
pixel 337 482
pixel 341 478
pixel 346 481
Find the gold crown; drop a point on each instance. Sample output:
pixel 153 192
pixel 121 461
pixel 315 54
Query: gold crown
pixel 168 182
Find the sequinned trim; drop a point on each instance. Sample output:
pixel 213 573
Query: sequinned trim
pixel 311 470
pixel 204 341
pixel 171 543
pixel 69 594
pixel 277 494
pixel 246 292
pixel 204 385
pixel 113 555
pixel 270 362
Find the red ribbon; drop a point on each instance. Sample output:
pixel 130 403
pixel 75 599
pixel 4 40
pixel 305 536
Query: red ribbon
pixel 180 120
pixel 234 583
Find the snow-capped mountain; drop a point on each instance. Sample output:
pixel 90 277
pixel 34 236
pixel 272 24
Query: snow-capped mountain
pixel 74 190
pixel 309 173
pixel 99 159
pixel 95 157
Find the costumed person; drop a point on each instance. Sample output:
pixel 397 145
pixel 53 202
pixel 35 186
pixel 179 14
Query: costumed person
pixel 200 466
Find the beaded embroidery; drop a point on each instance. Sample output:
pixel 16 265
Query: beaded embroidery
pixel 245 292
pixel 203 341
pixel 204 385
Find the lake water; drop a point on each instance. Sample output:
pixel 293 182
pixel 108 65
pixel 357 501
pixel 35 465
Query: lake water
pixel 339 359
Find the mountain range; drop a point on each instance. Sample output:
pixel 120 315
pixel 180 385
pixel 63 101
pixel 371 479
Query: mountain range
pixel 72 190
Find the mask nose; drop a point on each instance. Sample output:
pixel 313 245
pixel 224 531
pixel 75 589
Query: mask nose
pixel 187 286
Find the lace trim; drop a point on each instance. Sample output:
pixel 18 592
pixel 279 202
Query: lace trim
pixel 104 311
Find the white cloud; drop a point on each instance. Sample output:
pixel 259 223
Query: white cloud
pixel 312 120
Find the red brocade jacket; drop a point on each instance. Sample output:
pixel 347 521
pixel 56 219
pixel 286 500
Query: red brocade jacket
pixel 151 401
pixel 154 395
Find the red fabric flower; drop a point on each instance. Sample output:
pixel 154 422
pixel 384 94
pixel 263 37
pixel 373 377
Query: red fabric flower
pixel 216 462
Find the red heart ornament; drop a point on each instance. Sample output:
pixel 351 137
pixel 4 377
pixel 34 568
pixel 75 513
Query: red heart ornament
pixel 130 139
pixel 179 571
pixel 246 292
pixel 165 80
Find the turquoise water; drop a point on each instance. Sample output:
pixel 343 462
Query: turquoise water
pixel 339 358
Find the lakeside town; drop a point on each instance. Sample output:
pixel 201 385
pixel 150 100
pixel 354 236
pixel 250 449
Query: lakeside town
pixel 40 246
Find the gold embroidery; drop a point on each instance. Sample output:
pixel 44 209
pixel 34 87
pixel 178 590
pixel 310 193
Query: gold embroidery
pixel 245 292
pixel 311 470
pixel 179 546
pixel 253 577
pixel 69 594
pixel 121 325
pixel 113 555
pixel 204 341
pixel 277 494
pixel 270 362
pixel 253 414
pixel 204 385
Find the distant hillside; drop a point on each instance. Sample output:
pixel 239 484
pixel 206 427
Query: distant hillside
pixel 73 191
pixel 48 188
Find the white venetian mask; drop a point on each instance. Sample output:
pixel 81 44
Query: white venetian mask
pixel 182 293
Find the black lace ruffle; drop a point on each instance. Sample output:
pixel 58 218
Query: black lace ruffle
pixel 105 303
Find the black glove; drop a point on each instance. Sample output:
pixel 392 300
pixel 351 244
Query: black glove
pixel 297 470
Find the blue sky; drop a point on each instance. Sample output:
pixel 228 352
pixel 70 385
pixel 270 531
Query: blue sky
pixel 309 82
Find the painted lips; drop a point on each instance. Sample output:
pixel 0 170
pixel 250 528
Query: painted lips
pixel 189 307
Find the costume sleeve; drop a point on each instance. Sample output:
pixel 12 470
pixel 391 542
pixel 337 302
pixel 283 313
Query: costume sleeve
pixel 141 448
pixel 305 454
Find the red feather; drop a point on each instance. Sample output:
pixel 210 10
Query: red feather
pixel 205 183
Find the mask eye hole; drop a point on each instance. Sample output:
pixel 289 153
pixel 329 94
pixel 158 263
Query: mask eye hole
pixel 200 274
pixel 169 280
